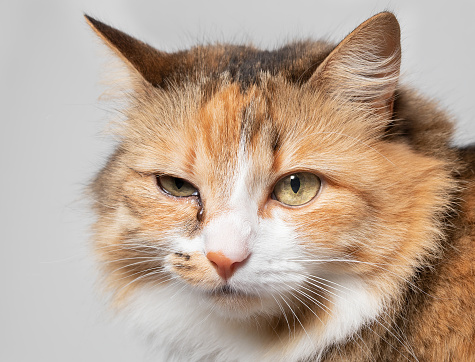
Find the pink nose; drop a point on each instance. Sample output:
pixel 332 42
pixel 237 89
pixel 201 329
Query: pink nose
pixel 224 266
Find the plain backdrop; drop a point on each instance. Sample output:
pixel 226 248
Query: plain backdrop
pixel 53 140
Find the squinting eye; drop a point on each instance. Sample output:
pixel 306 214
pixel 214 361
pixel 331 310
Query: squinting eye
pixel 297 189
pixel 176 186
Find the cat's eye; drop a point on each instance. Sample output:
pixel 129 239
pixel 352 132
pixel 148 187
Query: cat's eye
pixel 297 189
pixel 176 186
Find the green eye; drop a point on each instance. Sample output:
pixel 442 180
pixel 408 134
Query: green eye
pixel 176 186
pixel 297 189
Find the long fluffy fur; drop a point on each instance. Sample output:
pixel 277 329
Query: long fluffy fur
pixel 377 267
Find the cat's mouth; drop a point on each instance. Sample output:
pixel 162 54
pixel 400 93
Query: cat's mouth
pixel 227 291
pixel 237 303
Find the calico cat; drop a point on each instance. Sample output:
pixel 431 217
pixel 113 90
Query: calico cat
pixel 297 204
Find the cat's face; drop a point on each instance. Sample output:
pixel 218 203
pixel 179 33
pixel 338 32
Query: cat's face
pixel 198 178
pixel 261 198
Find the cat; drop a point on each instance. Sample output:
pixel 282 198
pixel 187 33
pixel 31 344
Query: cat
pixel 298 204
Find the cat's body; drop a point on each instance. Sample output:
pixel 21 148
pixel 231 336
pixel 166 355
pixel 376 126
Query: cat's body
pixel 290 205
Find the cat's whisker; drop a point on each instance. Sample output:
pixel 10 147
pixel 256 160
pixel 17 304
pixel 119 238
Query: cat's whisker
pixel 377 265
pixel 397 339
pixel 291 311
pixel 142 247
pixel 367 349
pixel 133 264
pixel 156 270
pixel 144 259
pixel 325 284
pixel 324 289
pixel 317 292
pixel 283 313
pixel 136 249
pixel 390 344
pixel 322 306
pixel 156 283
pixel 183 287
pixel 333 285
pixel 322 293
pixel 296 317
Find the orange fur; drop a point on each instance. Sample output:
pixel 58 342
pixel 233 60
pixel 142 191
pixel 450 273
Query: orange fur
pixel 396 208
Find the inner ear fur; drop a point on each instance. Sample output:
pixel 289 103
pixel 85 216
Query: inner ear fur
pixel 365 66
pixel 152 65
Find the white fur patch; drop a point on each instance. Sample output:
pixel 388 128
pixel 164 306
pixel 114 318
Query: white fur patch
pixel 184 324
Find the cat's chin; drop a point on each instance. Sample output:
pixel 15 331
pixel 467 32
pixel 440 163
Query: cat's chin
pixel 229 296
pixel 227 291
pixel 235 303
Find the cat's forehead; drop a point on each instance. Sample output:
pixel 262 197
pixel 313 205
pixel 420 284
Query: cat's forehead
pixel 205 130
pixel 209 123
pixel 234 137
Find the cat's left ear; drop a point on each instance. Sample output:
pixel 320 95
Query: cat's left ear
pixel 365 66
pixel 151 65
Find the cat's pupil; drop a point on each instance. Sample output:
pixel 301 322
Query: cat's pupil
pixel 294 183
pixel 179 183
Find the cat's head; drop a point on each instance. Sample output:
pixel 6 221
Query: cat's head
pixel 257 190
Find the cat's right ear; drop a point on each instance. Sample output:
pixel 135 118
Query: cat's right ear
pixel 365 66
pixel 152 65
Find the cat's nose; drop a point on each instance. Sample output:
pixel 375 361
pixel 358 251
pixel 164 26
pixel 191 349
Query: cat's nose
pixel 225 266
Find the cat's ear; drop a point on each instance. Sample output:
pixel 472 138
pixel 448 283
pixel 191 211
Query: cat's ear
pixel 152 65
pixel 365 66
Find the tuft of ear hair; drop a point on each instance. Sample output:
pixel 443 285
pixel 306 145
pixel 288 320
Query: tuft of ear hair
pixel 365 66
pixel 152 65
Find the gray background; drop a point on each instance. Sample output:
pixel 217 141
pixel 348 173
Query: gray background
pixel 52 138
